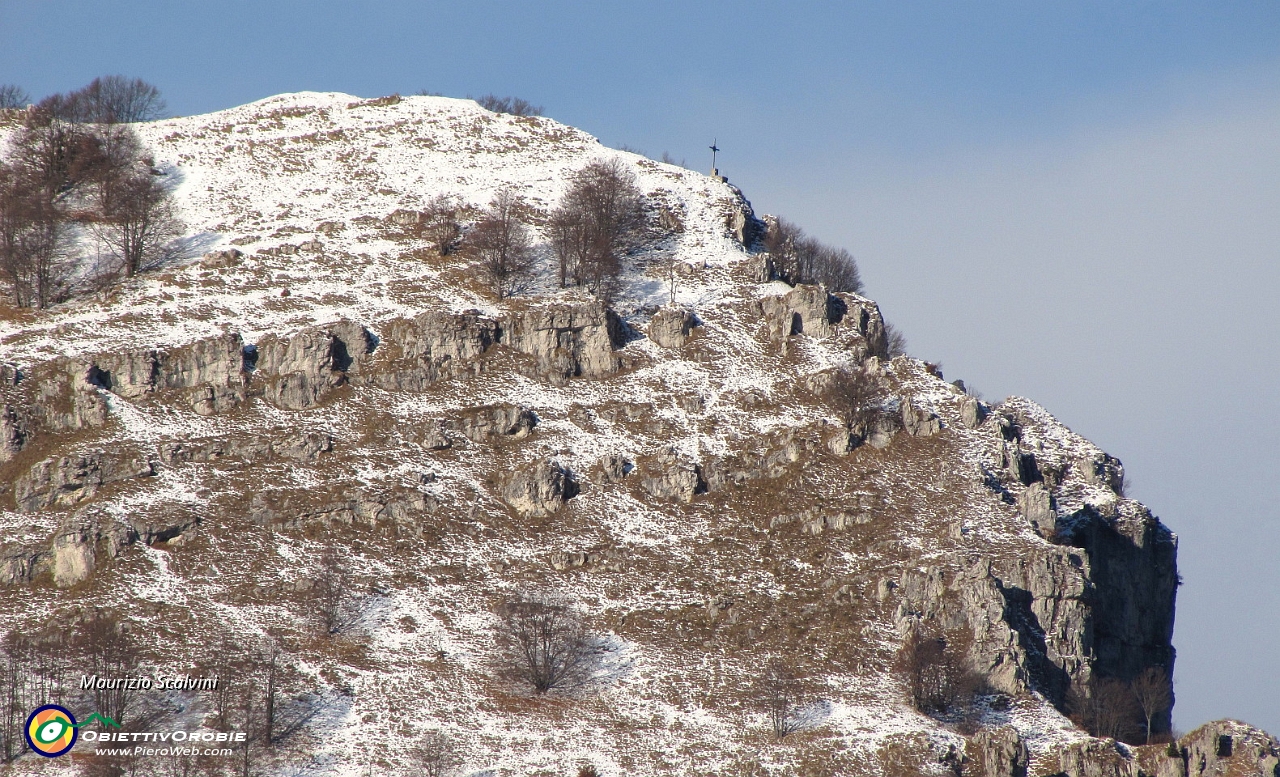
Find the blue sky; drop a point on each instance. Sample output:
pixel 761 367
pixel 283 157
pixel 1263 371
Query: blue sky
pixel 1072 201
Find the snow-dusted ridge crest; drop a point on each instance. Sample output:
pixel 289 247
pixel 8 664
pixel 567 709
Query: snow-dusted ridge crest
pixel 182 448
pixel 273 172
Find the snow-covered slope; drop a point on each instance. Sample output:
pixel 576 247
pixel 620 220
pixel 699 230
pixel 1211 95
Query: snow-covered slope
pixel 389 407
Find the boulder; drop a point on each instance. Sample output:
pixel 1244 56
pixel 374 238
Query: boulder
pixel 919 422
pixel 612 469
pixel 997 752
pixel 494 422
pixel 538 490
pixel 670 327
pixel 667 476
pixel 972 412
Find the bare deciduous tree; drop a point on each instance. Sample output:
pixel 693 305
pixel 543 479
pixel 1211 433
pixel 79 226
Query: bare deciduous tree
pixel 107 649
pixel 440 223
pixel 433 755
pixel 798 258
pixel 512 105
pixel 332 594
pixel 857 397
pixel 50 160
pixel 596 224
pixel 135 215
pixel 933 664
pixel 895 341
pixel 1106 709
pixel 546 644
pixel 782 693
pixel 13 96
pixel 107 100
pixel 502 246
pixel 1151 689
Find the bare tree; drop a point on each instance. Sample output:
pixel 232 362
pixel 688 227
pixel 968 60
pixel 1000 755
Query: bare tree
pixel 933 665
pixel 502 246
pixel 512 105
pixel 50 162
pixel 858 399
pixel 13 96
pixel 433 755
pixel 546 644
pixel 120 99
pixel 895 341
pixel 15 668
pixel 798 258
pixel 1151 689
pixel 782 693
pixel 107 100
pixel 107 649
pixel 440 223
pixel 135 218
pixel 597 223
pixel 332 594
pixel 1106 708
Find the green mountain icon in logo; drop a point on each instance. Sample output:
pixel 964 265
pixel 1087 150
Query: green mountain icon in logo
pixel 103 719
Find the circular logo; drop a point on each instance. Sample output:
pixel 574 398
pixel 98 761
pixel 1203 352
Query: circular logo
pixel 51 730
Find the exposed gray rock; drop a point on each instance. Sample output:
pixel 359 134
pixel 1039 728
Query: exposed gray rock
pixel 220 259
pixel 538 490
pixel 1102 470
pixel 806 310
pixel 74 552
pixel 209 373
pixel 568 340
pixel 1036 505
pixel 997 752
pixel 21 565
pixel 1096 758
pixel 433 436
pixel 881 430
pixel 671 327
pixel 919 422
pixel 301 445
pixel 972 413
pixel 612 469
pixel 13 432
pixel 400 509
pixel 1230 747
pixel 300 370
pixel 667 476
pixel 819 521
pixel 494 422
pixel 66 480
pixel 419 351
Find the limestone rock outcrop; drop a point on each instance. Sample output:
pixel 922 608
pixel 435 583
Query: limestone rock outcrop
pixel 539 489
pixel 997 752
pixel 671 327
pixel 66 480
pixel 493 422
pixel 299 371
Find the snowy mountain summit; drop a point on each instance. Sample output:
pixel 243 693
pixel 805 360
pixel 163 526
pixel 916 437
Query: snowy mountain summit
pixel 321 460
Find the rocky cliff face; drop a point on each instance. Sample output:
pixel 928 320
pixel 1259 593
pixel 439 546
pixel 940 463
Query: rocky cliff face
pixel 680 469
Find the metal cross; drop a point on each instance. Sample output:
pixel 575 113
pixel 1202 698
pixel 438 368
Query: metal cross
pixel 714 149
